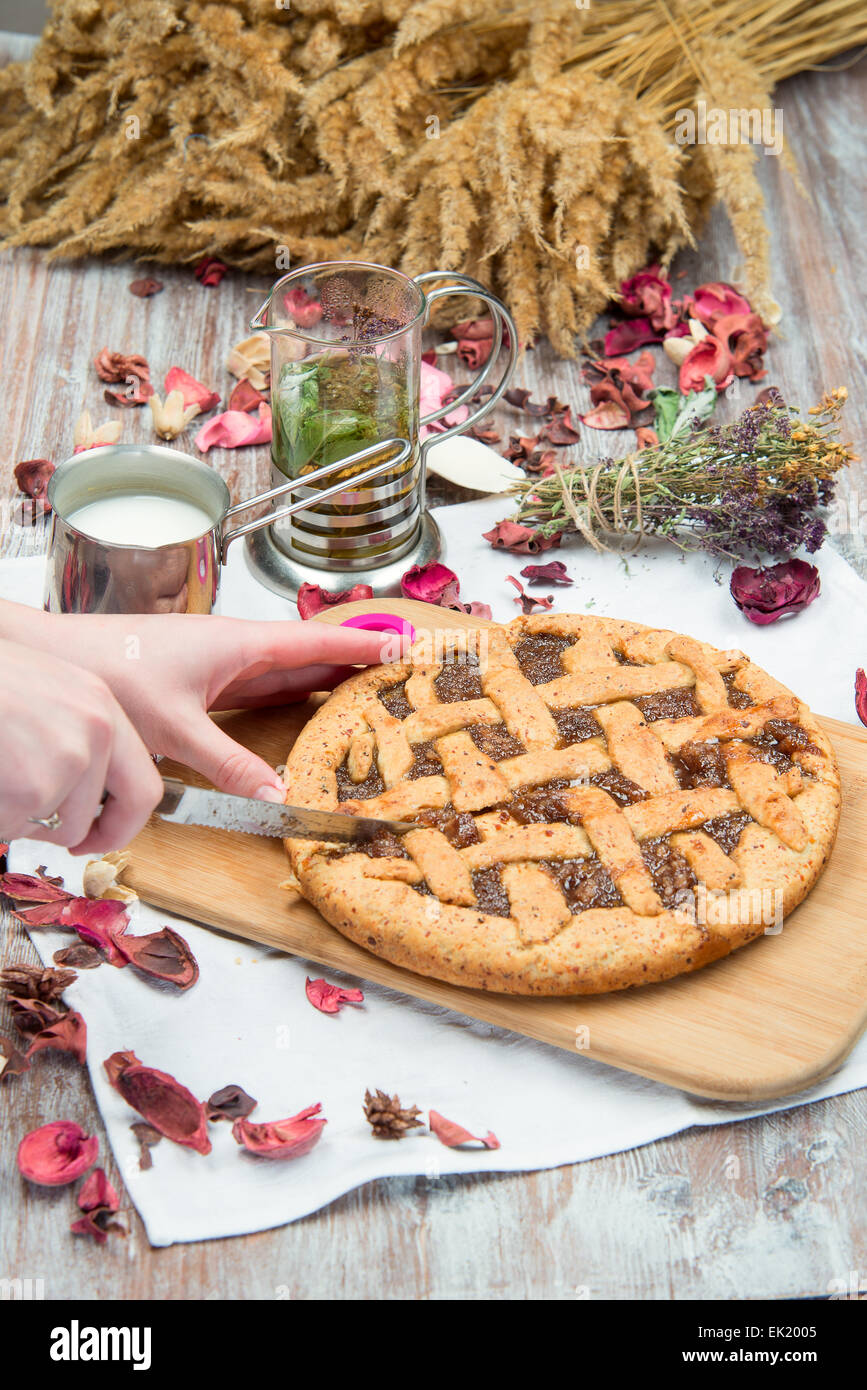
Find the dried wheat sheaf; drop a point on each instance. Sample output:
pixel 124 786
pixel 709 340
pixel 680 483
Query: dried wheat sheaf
pixel 530 145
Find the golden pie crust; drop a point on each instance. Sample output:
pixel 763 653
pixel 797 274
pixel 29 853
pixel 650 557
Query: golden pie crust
pixel 599 804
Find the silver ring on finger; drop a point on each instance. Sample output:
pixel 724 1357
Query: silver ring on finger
pixel 52 822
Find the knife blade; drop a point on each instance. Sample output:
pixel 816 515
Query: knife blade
pixel 185 805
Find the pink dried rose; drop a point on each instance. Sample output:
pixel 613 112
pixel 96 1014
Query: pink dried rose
pixel 312 600
pixel 234 429
pixel 33 477
pixel 453 1135
pixel 99 1201
pixel 194 392
pixel 520 540
pixel 160 1099
pixel 609 415
pixel 710 358
pixel 164 955
pixel 552 573
pixel 764 595
pixel 475 338
pixel 143 289
pixel 861 694
pixel 56 1153
pixel 281 1138
pixel 329 999
pixel 713 300
pixel 304 309
pixel 98 922
pixel 528 603
pixel 648 295
pixel 210 271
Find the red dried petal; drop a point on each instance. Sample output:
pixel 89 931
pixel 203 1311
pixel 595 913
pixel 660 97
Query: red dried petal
pixel 861 694
pixel 56 1153
pixel 646 437
pixel 552 573
pixel 98 921
pixel 210 271
pixel 147 1138
pixel 160 1099
pixel 528 603
pixel 33 477
pixel 245 397
pixel 194 392
pixel 97 1192
pixel 163 954
pixel 329 998
pixel 629 335
pixel 560 431
pixel 764 594
pixel 229 1103
pixel 281 1138
pixel 13 1062
pixel 476 330
pixel 32 1015
pixel 117 366
pixel 453 1135
pixel 143 289
pixel 520 540
pixel 709 302
pixel 428 583
pixel 648 294
pixel 480 610
pixel 30 888
pixel 312 600
pixel 710 358
pixel 67 1034
pixel 610 415
pixel 80 956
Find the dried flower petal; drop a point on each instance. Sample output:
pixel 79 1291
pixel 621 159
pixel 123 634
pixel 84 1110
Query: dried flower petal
pixel 170 418
pixel 143 289
pixel 13 1062
pixel 304 310
pixel 100 877
pixel 437 584
pixel 229 1103
pixel 98 922
pixel 387 1117
pixel 56 1153
pixel 312 600
pixel 130 368
pixel 861 694
pixel 552 573
pixel 710 358
pixel 610 415
pixel 148 1138
pixel 163 954
pixel 711 301
pixel 36 981
pixel 235 429
pixel 80 956
pixel 452 1135
pixel 648 294
pixel 99 1200
pixel 645 437
pixel 86 437
pixel 629 335
pixel 560 430
pixel 67 1034
pixel 328 999
pixel 245 397
pixel 33 477
pixel 250 360
pixel 528 603
pixel 33 889
pixel 210 271
pixel 764 595
pixel 160 1099
pixel 281 1138
pixel 520 540
pixel 193 392
pixel 32 1015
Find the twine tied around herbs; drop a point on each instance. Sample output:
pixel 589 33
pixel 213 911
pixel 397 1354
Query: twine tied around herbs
pixel 594 519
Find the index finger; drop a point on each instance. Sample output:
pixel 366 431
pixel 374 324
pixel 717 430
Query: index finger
pixel 310 643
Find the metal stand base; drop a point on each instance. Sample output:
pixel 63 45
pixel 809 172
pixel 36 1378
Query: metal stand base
pixel 274 568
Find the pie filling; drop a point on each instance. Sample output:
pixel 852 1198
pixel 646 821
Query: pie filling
pixel 584 883
pixel 539 656
pixel 738 699
pixel 395 701
pixel 427 762
pixel 668 704
pixel 495 741
pixel 491 896
pixel 576 724
pixel 727 830
pixel 459 679
pixel 669 870
pixel 700 765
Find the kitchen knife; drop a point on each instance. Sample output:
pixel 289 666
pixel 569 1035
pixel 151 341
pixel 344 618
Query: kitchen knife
pixel 185 805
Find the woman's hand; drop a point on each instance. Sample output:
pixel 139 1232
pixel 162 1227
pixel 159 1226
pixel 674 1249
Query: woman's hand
pixel 168 670
pixel 67 742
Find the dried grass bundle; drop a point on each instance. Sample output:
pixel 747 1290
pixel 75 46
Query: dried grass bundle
pixel 529 144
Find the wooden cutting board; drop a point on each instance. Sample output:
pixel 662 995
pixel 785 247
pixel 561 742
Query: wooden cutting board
pixel 768 1021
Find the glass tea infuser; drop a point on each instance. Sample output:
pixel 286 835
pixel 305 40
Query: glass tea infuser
pixel 345 377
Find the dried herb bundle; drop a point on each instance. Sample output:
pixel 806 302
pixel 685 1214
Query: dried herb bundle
pixel 756 487
pixel 529 144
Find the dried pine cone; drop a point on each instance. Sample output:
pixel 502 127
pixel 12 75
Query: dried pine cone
pixel 36 982
pixel 388 1119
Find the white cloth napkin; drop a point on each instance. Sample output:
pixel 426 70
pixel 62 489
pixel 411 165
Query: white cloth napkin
pixel 248 1021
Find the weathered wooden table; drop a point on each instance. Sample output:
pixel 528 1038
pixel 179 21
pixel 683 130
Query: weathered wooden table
pixel 662 1221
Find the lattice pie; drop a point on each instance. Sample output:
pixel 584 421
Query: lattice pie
pixel 597 804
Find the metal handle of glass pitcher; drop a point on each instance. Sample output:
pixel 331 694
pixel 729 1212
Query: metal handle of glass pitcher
pixel 464 284
pixel 403 447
